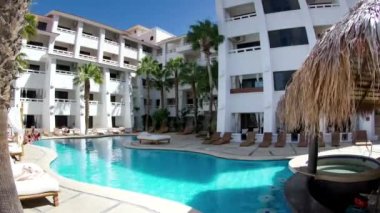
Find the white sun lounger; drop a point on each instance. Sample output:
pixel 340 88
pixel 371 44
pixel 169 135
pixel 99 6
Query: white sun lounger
pixel 32 182
pixel 153 138
pixel 15 150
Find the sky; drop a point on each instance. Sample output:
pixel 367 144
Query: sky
pixel 174 16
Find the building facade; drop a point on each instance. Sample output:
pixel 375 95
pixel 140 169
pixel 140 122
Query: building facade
pixel 265 42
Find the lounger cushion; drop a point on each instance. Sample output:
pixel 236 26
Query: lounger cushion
pixel 37 185
pixel 152 137
pixel 14 148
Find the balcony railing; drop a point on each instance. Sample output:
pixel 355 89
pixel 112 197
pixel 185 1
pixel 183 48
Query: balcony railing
pixel 112 62
pixel 249 15
pixel 63 52
pixel 65 72
pixel 246 90
pixel 117 103
pixel 116 79
pixel 59 100
pixel 111 42
pixel 36 47
pixel 87 57
pixel 242 50
pixel 90 36
pixel 39 100
pixel 34 71
pixel 130 66
pixel 131 48
pixel 93 102
pixel 66 30
pixel 171 51
pixel 328 5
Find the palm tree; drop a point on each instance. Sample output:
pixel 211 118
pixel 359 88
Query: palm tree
pixel 147 66
pixel 12 22
pixel 85 73
pixel 174 65
pixel 191 74
pixel 161 82
pixel 30 27
pixel 205 36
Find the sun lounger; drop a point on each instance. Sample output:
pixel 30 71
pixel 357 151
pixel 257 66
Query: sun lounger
pixel 360 138
pixel 267 140
pixel 76 131
pixel 32 182
pixel 281 140
pixel 227 136
pixel 16 150
pixel 46 133
pixel 114 131
pixel 303 142
pixel 57 132
pixel 214 137
pixel 251 139
pixel 100 131
pixel 153 138
pixel 335 139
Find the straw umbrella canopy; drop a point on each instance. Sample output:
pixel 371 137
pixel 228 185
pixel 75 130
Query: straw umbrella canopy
pixel 341 75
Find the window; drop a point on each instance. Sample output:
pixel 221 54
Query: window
pixel 61 95
pixel 91 98
pixel 144 82
pixel 84 52
pixel 63 67
pixel 158 101
pixel 151 38
pixel 273 6
pixel 281 79
pixel 170 101
pixel 35 43
pixel 60 48
pixel 126 62
pixel 248 44
pixel 34 67
pixel 42 25
pixel 63 27
pixel 288 37
pixel 28 93
pixel 113 98
pixel 107 57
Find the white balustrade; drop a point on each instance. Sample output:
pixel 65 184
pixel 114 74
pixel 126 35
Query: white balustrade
pixel 110 62
pixel 63 52
pixel 88 57
pixel 65 72
pixel 315 6
pixel 66 30
pixel 250 15
pixel 111 42
pixel 90 36
pixel 242 50
pixel 36 47
pixel 64 100
pixel 32 100
pixel 130 66
pixel 33 71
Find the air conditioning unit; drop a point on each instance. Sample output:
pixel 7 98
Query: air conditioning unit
pixel 238 39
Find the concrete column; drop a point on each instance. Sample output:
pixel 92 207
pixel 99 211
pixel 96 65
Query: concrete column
pixel 102 35
pixel 55 22
pixel 164 55
pixel 48 117
pixel 127 108
pixel 105 96
pixel 367 122
pixel 78 39
pixel 308 23
pixel 139 52
pixel 80 109
pixel 121 50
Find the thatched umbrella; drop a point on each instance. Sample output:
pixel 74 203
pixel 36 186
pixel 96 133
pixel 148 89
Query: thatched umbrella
pixel 340 77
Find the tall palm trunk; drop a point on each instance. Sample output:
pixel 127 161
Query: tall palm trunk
pixel 211 90
pixel 86 103
pixel 195 101
pixel 176 94
pixel 147 109
pixel 162 98
pixel 11 23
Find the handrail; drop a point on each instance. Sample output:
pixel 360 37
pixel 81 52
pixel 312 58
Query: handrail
pixel 248 49
pixel 66 30
pixel 111 42
pixel 90 36
pixel 65 100
pixel 131 66
pixel 131 48
pixel 116 79
pixel 117 103
pixel 93 102
pixel 36 47
pixel 34 71
pixel 32 100
pixel 63 52
pixel 328 5
pixel 65 72
pixel 249 15
pixel 110 61
pixel 89 57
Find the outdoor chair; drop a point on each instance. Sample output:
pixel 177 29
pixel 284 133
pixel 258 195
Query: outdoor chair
pixel 335 139
pixel 251 139
pixel 227 136
pixel 212 139
pixel 281 140
pixel 267 140
pixel 57 132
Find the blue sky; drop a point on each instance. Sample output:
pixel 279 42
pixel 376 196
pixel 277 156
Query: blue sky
pixel 175 16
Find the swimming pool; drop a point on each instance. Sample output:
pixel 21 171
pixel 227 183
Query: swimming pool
pixel 204 182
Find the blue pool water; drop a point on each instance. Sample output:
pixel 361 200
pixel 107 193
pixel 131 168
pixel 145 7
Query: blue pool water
pixel 204 182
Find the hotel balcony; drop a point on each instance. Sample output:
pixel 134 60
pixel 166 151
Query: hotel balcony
pixel 111 43
pixel 89 37
pixel 63 49
pixel 65 107
pixel 241 19
pixel 130 64
pixel 244 54
pixel 64 76
pixel 66 35
pixel 88 54
pixel 247 83
pixel 325 12
pixel 37 48
pixel 110 59
pixel 31 79
pixel 130 49
pixel 116 84
pixel 32 106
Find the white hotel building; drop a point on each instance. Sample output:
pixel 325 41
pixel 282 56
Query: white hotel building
pixel 265 42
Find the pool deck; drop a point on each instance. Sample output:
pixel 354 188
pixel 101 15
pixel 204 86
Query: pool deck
pixel 84 197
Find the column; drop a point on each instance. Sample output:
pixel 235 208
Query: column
pixel 48 116
pixel 54 27
pixel 165 47
pixel 105 96
pixel 80 109
pixel 121 50
pixel 78 39
pixel 308 23
pixel 139 52
pixel 102 35
pixel 367 122
pixel 127 108
pixel 224 117
pixel 269 105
